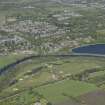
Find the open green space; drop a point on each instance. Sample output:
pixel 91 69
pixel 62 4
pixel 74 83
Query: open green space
pixel 55 92
pixel 50 77
pixel 8 59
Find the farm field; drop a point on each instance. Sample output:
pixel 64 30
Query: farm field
pixel 65 89
pixel 40 77
pixel 8 59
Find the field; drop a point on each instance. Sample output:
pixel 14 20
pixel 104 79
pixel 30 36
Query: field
pixel 65 89
pixel 8 59
pixel 54 79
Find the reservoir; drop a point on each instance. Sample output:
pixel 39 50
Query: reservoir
pixel 91 49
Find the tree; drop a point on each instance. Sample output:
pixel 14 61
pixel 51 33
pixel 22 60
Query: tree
pixel 49 103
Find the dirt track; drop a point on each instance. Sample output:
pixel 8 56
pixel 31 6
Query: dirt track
pixel 94 98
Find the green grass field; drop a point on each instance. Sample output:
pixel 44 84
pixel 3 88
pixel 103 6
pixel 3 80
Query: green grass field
pixel 57 92
pixel 77 65
pixel 4 60
pixel 54 92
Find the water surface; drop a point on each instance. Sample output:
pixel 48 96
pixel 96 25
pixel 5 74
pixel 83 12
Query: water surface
pixel 91 49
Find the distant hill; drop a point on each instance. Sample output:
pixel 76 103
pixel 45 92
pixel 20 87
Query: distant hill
pixel 48 0
pixel 52 1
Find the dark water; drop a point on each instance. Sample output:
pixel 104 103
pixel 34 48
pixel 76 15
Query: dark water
pixel 91 49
